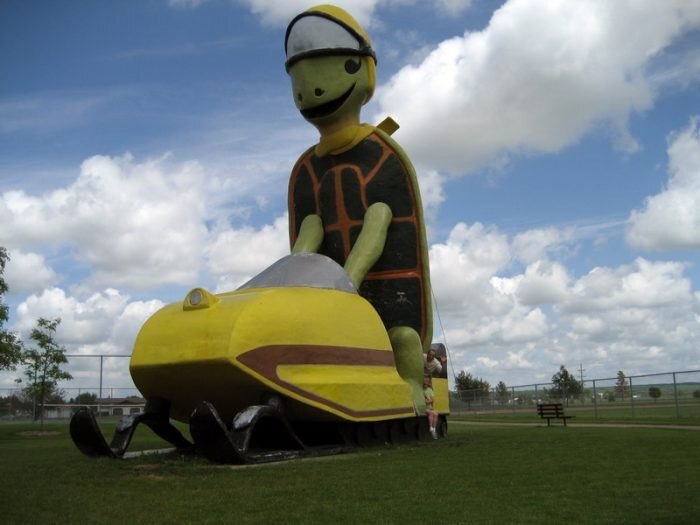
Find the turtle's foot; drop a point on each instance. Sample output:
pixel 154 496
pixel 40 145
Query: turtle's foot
pixel 408 354
pixel 418 397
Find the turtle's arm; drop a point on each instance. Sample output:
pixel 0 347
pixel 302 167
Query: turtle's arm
pixel 370 243
pixel 310 235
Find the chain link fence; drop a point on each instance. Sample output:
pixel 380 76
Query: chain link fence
pixel 99 381
pixel 662 395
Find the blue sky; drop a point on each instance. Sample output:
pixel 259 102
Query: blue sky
pixel 145 149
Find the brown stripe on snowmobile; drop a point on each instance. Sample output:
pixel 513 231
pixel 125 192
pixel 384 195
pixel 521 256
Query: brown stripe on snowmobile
pixel 265 360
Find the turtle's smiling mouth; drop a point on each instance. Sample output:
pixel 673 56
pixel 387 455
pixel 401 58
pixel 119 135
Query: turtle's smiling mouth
pixel 326 109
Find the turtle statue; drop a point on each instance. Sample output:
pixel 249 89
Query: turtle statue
pixel 354 196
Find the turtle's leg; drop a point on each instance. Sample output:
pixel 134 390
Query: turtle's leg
pixel 408 354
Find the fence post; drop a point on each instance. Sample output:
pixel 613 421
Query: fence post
pixel 632 396
pixel 595 402
pixel 675 396
pixel 99 398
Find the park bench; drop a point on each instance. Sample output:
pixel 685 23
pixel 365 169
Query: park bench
pixel 551 411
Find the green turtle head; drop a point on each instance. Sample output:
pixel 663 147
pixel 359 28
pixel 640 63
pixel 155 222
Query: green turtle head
pixel 331 64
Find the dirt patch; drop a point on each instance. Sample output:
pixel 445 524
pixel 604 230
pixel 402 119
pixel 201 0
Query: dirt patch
pixel 38 433
pixel 152 472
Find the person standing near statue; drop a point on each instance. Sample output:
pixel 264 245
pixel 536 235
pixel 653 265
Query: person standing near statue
pixel 432 365
pixel 430 406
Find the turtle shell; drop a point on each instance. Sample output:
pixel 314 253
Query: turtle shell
pixel 339 188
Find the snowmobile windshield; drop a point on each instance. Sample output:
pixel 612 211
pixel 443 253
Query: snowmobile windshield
pixel 303 269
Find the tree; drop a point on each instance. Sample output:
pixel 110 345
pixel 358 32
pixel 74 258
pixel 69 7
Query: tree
pixel 470 388
pixel 565 385
pixel 465 381
pixel 43 364
pixel 86 398
pixel 654 393
pixel 502 393
pixel 621 387
pixel 10 345
pixel 14 404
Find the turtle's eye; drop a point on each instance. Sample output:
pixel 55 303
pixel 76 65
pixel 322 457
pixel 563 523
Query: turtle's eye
pixel 353 67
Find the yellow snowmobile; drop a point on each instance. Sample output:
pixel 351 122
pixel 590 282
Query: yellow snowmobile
pixel 296 360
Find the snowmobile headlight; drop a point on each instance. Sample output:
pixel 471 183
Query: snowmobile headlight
pixel 199 298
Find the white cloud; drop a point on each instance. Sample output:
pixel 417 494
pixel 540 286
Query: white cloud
pixel 82 322
pixel 588 326
pixel 186 3
pixel 274 12
pixel 518 360
pixel 631 313
pixel 671 219
pixel 453 7
pixel 523 325
pixel 139 225
pixel 238 255
pixel 487 362
pixel 544 282
pixel 135 224
pixel 478 305
pixel 432 191
pixel 104 323
pixel 643 284
pixel 470 254
pixel 28 272
pixel 461 270
pixel 540 76
pixel 533 245
pixel 55 111
pixel 503 321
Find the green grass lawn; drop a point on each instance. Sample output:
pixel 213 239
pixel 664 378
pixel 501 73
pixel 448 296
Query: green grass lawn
pixel 478 475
